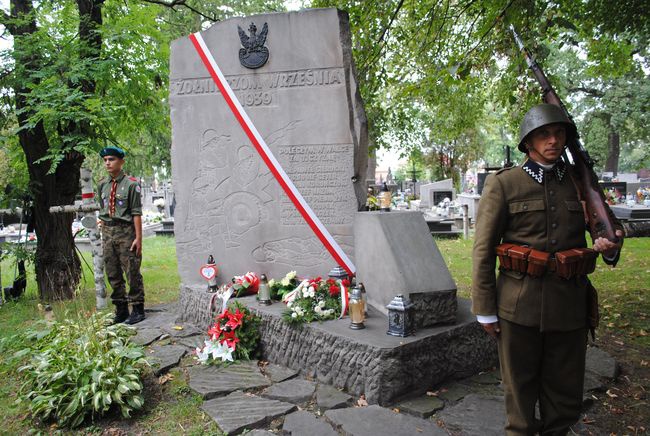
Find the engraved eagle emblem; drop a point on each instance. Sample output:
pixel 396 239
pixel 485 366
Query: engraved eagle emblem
pixel 254 54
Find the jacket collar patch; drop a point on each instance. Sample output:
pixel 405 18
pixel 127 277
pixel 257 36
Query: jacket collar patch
pixel 536 171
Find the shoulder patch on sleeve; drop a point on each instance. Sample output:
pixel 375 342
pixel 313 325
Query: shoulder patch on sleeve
pixel 137 188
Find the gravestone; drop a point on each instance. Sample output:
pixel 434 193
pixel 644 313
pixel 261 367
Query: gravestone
pixel 433 193
pixel 305 103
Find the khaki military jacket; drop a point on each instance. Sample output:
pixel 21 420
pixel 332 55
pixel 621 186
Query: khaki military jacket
pixel 128 200
pixel 528 205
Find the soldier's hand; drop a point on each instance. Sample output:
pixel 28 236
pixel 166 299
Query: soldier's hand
pixel 492 329
pixel 137 246
pixel 607 247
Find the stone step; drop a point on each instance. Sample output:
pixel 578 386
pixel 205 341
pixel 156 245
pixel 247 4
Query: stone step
pixel 238 411
pixel 296 391
pixel 213 381
pixel 165 357
pixel 378 421
pixel 303 423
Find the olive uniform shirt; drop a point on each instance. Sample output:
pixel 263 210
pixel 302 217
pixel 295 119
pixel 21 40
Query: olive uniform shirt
pixel 540 208
pixel 127 198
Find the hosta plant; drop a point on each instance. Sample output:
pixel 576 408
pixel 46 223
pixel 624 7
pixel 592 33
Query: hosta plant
pixel 81 368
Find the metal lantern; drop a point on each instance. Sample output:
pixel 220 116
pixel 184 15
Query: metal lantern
pixel 264 291
pixel 355 308
pixel 338 273
pixel 401 317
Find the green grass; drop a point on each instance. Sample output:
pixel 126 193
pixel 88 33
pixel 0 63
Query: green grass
pixel 175 410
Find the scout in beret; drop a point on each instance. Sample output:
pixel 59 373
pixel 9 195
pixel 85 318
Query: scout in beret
pixel 121 223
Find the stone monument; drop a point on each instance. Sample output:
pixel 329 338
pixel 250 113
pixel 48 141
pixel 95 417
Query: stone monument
pixel 396 254
pixel 295 79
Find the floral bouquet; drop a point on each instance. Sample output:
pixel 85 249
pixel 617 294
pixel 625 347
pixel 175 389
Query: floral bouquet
pixel 613 196
pixel 233 336
pixel 248 284
pixel 315 300
pixel 280 288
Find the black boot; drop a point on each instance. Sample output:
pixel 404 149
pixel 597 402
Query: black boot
pixel 121 312
pixel 137 314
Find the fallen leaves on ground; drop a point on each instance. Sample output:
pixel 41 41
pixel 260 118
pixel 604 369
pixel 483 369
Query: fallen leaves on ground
pixel 165 378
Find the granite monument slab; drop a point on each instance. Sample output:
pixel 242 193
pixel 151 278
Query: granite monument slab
pixel 396 255
pixel 305 103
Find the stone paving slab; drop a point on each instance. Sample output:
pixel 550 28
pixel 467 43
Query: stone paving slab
pixel 192 342
pixel 601 363
pixel 214 381
pixel 181 330
pixel 592 382
pixel 303 423
pixel 296 391
pixel 486 378
pixel 376 421
pixel 454 392
pixel 146 336
pixel 328 397
pixel 423 406
pixel 238 411
pixel 279 373
pixel 157 320
pixel 165 357
pixel 475 415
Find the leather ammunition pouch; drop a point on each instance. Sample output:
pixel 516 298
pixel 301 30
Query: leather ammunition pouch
pixel 566 264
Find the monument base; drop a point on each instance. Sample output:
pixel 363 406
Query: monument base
pixel 367 361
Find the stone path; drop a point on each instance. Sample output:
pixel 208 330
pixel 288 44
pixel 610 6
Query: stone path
pixel 269 399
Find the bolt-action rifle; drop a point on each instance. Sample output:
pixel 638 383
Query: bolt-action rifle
pixel 601 223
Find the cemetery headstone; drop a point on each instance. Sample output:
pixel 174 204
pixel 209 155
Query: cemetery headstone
pixel 294 76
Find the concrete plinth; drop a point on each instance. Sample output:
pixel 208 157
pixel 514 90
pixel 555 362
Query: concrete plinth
pixel 395 254
pixel 368 361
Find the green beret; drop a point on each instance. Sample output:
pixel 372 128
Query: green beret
pixel 112 151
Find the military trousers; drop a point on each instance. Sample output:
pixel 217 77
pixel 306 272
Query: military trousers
pixel 544 367
pixel 120 261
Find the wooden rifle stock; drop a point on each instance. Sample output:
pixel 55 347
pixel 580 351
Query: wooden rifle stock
pixel 601 223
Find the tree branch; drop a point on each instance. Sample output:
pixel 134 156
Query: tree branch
pixel 590 91
pixel 380 41
pixel 172 4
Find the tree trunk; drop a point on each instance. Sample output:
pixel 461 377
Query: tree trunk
pixel 613 151
pixel 57 264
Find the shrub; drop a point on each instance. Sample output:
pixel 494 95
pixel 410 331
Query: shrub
pixel 80 368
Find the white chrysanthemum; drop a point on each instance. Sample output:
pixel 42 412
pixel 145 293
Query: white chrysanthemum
pixel 294 315
pixel 290 275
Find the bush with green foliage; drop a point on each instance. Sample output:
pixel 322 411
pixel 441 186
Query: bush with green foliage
pixel 80 368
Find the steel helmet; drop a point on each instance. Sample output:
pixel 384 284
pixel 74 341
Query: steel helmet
pixel 541 115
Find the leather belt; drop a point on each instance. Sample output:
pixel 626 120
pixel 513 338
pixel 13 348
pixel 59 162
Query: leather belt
pixel 565 264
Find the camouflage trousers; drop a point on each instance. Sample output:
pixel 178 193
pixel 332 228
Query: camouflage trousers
pixel 119 261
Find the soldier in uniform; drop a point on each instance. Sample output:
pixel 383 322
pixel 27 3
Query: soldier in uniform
pixel 121 224
pixel 540 322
